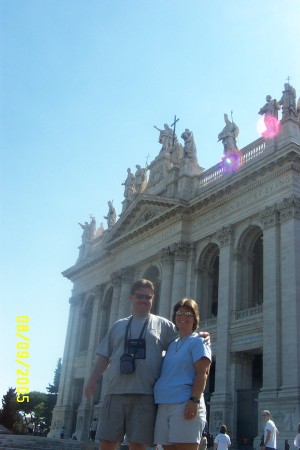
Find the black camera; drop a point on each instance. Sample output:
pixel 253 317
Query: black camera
pixel 127 364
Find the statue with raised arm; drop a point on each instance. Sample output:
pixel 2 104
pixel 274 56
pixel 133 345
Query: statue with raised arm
pixel 228 135
pixel 140 179
pixel 111 215
pixel 86 232
pixel 129 184
pixel 165 137
pixel 288 102
pixel 189 149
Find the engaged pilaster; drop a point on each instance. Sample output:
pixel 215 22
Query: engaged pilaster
pixel 181 251
pixel 167 261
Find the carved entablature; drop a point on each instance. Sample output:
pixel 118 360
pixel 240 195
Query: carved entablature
pixel 181 250
pixel 289 208
pixel 224 235
pixel 269 216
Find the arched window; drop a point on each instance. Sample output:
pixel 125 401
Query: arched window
pixel 208 282
pixel 250 269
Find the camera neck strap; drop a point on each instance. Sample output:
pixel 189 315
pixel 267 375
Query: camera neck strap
pixel 128 328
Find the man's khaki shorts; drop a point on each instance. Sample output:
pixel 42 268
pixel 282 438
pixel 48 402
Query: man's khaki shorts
pixel 130 414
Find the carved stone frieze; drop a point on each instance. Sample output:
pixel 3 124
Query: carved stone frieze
pixel 224 235
pixel 289 208
pixel 269 215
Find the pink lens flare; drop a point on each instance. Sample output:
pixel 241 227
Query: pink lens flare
pixel 268 126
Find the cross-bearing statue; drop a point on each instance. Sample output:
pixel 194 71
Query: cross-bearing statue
pixel 111 215
pixel 228 135
pixel 189 149
pixel 288 102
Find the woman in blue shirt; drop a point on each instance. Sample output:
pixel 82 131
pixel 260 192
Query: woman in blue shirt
pixel 181 414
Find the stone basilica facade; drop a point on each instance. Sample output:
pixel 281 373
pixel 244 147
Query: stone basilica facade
pixel 228 237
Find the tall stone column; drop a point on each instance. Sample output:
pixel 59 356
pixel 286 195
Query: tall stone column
pixel 124 303
pixel 289 393
pixel 181 251
pixel 84 417
pixel 167 261
pixel 221 400
pixel 271 305
pixel 62 413
pixel 116 279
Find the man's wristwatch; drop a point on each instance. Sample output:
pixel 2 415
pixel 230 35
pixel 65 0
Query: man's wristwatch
pixel 195 399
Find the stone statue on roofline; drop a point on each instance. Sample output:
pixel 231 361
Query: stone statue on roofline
pixel 270 113
pixel 111 215
pixel 288 102
pixel 89 230
pixel 140 179
pixel 189 149
pixel 228 135
pixel 270 108
pixel 165 137
pixel 129 184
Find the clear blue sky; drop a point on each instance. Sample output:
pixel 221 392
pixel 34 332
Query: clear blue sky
pixel 82 84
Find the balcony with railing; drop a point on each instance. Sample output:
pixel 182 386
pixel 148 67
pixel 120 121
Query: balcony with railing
pixel 242 157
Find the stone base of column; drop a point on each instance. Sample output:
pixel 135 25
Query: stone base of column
pixel 62 416
pixel 221 412
pixel 83 421
pixel 284 406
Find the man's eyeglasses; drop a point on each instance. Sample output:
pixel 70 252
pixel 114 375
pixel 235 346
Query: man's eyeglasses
pixel 146 296
pixel 186 314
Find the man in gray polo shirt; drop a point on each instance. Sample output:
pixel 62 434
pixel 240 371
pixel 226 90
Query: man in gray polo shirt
pixel 128 405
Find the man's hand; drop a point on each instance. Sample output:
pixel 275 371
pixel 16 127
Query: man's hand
pixel 90 389
pixel 206 336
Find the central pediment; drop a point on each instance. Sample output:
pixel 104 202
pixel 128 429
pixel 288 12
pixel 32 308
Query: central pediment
pixel 142 212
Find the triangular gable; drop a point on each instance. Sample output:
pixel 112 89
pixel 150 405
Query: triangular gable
pixel 142 211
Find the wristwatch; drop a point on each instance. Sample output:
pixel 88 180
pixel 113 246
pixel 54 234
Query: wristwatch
pixel 195 399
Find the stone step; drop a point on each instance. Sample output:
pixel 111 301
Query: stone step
pixel 23 442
